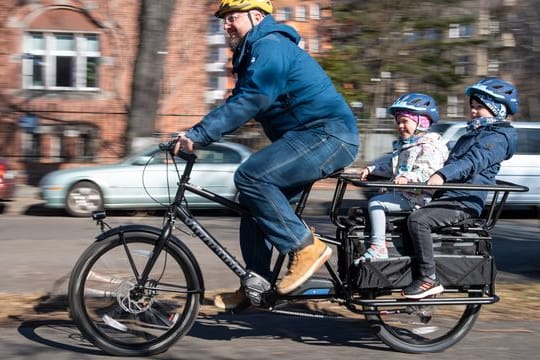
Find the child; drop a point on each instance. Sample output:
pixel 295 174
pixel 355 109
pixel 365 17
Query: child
pixel 416 156
pixel 475 159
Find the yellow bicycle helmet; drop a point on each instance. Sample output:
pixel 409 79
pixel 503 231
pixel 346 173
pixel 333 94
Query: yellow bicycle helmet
pixel 227 6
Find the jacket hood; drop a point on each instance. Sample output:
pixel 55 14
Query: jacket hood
pixel 267 26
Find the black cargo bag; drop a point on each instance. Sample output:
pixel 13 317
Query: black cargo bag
pixel 454 271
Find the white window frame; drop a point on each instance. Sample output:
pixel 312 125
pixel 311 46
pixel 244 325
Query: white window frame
pixel 284 14
pixel 459 31
pixel 455 106
pixel 314 45
pixel 80 53
pixel 300 13
pixel 493 66
pixel 315 11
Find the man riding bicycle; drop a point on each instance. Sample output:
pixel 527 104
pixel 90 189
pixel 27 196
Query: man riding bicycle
pixel 312 131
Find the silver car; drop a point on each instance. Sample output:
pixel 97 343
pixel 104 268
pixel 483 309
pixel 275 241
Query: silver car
pixel 143 182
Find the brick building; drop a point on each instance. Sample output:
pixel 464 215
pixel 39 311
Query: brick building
pixel 66 72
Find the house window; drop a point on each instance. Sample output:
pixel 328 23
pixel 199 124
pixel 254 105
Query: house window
pixel 213 81
pixel 432 34
pixel 464 65
pixel 214 55
pixel 61 61
pixel 457 31
pixel 455 106
pixel 314 45
pixel 216 26
pixel 493 66
pixel 300 13
pixel 315 11
pixel 284 14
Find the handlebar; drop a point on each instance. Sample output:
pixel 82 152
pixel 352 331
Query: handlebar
pixel 169 147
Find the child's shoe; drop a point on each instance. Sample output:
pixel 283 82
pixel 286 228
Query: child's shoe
pixel 374 252
pixel 422 288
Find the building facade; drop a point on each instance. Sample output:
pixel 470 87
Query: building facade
pixel 66 70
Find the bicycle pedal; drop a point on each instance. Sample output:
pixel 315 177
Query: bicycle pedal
pixel 254 287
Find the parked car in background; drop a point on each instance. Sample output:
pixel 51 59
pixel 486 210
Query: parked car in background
pixel 7 180
pixel 523 168
pixel 143 182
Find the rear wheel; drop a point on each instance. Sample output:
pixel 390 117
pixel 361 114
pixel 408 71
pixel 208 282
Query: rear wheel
pixel 122 317
pixel 422 329
pixel 83 198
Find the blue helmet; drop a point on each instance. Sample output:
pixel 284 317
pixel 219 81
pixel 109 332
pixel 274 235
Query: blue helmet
pixel 501 91
pixel 421 104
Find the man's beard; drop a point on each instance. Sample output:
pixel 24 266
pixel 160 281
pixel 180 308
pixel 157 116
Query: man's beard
pixel 234 41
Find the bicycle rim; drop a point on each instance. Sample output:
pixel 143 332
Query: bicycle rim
pixel 421 329
pixel 123 318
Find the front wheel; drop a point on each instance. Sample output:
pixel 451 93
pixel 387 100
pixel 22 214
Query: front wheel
pixel 422 329
pixel 123 317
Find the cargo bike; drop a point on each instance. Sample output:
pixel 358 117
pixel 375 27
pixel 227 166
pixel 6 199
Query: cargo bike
pixel 137 289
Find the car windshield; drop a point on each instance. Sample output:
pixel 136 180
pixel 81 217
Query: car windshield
pixel 210 154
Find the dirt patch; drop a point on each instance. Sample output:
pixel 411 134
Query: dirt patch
pixel 519 302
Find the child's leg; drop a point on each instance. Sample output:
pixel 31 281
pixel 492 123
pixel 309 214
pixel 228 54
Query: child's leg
pixel 378 207
pixel 377 218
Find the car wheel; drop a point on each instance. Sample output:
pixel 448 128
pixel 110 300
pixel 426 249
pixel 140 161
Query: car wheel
pixel 83 198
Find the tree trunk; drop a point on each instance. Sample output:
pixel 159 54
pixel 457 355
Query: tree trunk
pixel 154 21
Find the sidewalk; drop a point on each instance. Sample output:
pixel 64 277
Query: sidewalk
pixel 25 197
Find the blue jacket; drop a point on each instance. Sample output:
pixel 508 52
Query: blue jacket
pixel 280 86
pixel 476 159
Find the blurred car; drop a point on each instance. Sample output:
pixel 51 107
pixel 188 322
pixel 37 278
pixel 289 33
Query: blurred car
pixel 7 180
pixel 522 169
pixel 143 182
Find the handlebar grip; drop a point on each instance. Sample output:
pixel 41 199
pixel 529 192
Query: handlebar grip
pixel 169 147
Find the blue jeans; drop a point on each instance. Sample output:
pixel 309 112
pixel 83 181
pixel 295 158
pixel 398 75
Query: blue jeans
pixel 378 206
pixel 268 179
pixel 433 216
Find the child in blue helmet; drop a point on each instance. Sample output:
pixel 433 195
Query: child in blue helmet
pixel 416 155
pixel 475 159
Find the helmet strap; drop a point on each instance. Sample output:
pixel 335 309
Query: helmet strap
pixel 251 19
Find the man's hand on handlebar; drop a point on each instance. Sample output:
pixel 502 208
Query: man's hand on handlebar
pixel 183 143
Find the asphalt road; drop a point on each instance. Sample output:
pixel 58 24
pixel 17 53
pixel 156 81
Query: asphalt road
pixel 38 249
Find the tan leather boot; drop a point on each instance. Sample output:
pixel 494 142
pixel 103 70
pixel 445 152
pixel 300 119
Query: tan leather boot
pixel 304 264
pixel 232 300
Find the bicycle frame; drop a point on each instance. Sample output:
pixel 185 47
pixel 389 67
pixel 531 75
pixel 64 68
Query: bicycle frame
pixel 159 305
pixel 182 213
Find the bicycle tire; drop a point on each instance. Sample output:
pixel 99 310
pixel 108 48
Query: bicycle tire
pixel 423 332
pixel 120 319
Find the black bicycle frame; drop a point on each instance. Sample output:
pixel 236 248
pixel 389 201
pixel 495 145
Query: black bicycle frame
pixel 182 212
